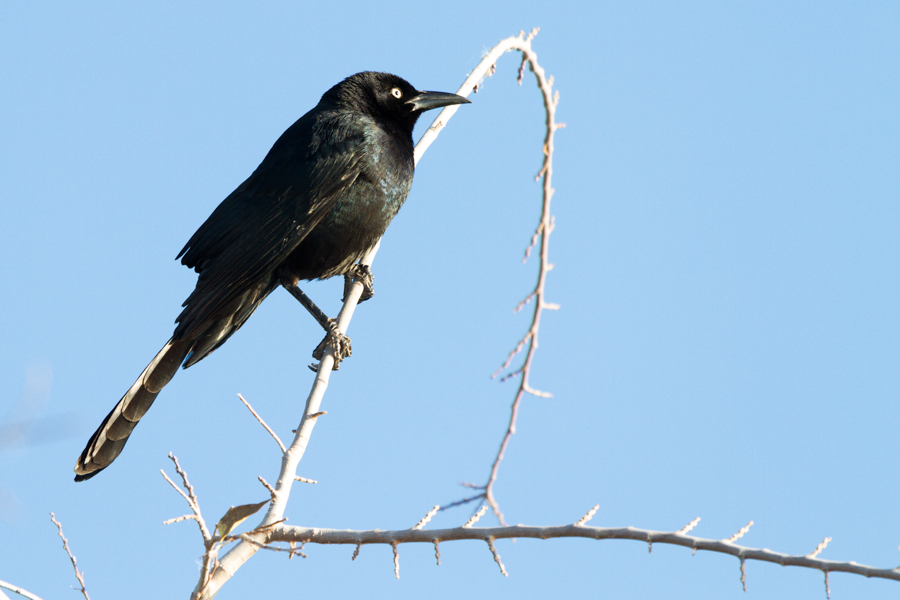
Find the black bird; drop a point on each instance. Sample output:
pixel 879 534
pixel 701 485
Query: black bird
pixel 319 201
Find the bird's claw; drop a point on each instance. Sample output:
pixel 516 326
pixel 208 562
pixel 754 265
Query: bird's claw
pixel 363 274
pixel 337 341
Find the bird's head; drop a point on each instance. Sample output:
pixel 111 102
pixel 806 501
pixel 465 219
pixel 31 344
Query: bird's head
pixel 388 97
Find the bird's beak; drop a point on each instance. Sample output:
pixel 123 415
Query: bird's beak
pixel 428 100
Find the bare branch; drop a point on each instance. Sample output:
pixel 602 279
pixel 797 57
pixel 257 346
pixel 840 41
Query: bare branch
pixel 676 538
pixel 78 574
pixel 20 591
pixel 263 423
pixel 190 498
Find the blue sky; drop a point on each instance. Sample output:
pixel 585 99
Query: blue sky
pixel 726 260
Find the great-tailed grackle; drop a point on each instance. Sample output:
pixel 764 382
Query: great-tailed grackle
pixel 319 201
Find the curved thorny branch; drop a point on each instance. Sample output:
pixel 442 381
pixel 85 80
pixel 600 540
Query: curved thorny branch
pixel 309 535
pixel 541 237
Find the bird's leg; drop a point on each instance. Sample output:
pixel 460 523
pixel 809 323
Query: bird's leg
pixel 363 274
pixel 333 337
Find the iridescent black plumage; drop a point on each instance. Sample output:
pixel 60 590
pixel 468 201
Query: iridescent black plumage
pixel 322 197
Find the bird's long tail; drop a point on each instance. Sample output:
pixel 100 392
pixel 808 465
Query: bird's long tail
pixel 109 439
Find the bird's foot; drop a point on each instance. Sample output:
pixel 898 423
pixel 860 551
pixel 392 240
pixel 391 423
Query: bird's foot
pixel 338 341
pixel 363 274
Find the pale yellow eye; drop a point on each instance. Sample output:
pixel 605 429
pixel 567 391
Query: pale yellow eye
pixel 396 93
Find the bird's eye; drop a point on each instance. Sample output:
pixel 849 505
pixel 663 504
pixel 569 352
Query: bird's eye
pixel 396 93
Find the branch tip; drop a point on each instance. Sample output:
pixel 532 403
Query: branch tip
pixel 79 575
pixel 263 423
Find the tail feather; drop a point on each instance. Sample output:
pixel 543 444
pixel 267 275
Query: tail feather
pixel 109 439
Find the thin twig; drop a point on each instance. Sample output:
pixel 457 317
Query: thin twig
pixel 190 498
pixel 263 423
pixel 490 543
pixel 78 574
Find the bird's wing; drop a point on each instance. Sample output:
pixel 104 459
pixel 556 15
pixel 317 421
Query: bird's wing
pixel 267 216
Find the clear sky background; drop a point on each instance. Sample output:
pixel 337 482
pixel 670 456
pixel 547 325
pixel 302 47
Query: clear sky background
pixel 727 265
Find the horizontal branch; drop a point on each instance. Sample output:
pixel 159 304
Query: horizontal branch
pixel 430 536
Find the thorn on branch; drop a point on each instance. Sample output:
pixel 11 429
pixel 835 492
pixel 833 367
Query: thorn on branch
pixel 473 486
pixel 512 354
pixel 437 552
pixel 819 548
pixel 356 552
pixel 427 517
pixel 535 392
pixel 509 376
pixel 490 543
pixel 475 517
pixel 740 533
pixel 537 232
pixel 827 587
pixel 305 480
pixel 528 298
pixel 177 519
pixel 743 574
pixel 588 516
pixel 684 530
pixel 396 560
pixel 267 486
